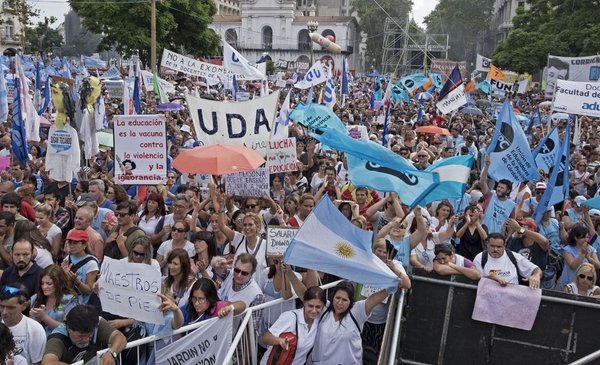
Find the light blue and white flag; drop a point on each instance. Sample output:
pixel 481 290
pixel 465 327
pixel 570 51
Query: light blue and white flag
pixel 282 123
pixel 454 175
pixel 546 151
pixel 413 82
pixel 93 62
pixel 233 61
pixel 317 118
pixel 315 76
pixel 329 98
pixel 558 183
pixel 509 150
pixel 328 242
pixel 3 96
pixel 410 184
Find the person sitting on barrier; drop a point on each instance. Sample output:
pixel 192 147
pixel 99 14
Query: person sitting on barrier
pixel 584 283
pixel 341 323
pixel 81 336
pixel 576 252
pixel 204 303
pixel 372 333
pixel 504 266
pixel 448 262
pixel 301 322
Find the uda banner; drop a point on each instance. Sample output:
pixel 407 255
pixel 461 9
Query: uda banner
pixel 248 122
pixel 581 98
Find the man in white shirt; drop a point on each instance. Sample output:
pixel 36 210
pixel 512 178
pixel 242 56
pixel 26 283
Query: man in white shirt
pixel 496 263
pixel 28 334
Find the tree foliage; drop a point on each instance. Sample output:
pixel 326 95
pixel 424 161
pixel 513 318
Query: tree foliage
pixel 42 38
pixel 181 25
pixel 465 21
pixel 372 22
pixel 557 27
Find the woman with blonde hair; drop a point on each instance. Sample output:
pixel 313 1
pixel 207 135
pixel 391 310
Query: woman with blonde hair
pixel 585 282
pixel 44 218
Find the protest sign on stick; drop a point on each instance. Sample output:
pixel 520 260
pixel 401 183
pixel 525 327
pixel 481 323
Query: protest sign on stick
pixel 281 155
pixel 278 239
pixel 250 183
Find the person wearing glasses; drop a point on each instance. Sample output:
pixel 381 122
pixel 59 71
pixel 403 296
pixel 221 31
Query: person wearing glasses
pixel 239 284
pixel 141 253
pixel 577 251
pixel 180 207
pixel 29 335
pixel 529 205
pixel 178 240
pixel 125 232
pixel 204 303
pixel 81 336
pixel 580 178
pixel 422 159
pixel 80 266
pixel 584 282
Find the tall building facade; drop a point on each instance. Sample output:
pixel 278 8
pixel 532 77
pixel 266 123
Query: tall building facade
pixel 10 30
pixel 501 24
pixel 278 29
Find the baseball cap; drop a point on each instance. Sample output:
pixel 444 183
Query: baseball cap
pixel 78 235
pixel 85 198
pixel 540 185
pixel 529 223
pixel 580 199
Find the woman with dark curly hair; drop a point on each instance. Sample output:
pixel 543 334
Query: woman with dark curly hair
pixel 204 303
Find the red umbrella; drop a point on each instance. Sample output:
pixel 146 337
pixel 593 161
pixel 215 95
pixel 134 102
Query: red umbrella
pixel 218 159
pixel 432 130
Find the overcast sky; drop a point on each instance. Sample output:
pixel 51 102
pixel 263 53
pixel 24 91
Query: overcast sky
pixel 59 8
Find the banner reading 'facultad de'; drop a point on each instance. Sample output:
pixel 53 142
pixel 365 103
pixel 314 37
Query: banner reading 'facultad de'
pixel 574 97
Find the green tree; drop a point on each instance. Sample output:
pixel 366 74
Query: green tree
pixel 42 38
pixel 372 22
pixel 464 21
pixel 558 27
pixel 181 25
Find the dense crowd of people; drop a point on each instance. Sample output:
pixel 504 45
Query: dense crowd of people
pixel 210 248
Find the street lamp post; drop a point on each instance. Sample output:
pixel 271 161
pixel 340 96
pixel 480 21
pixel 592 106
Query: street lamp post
pixel 312 26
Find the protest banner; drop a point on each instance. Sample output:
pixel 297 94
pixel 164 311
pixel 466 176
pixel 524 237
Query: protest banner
pixel 249 183
pixel 165 86
pixel 278 239
pixel 453 100
pixel 483 63
pixel 140 149
pixel 495 304
pixel 445 67
pixel 61 140
pixel 584 69
pixel 192 67
pixel 248 123
pixel 4 163
pixel 208 344
pixel 574 97
pixel 500 87
pixel 130 290
pixel 114 88
pixel 358 132
pixel 281 155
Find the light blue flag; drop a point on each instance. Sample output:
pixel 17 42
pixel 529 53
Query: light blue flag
pixel 438 81
pixel 112 73
pixel 91 62
pixel 546 151
pixel 317 117
pixel 281 129
pixel 328 242
pixel 3 96
pixel 399 94
pixel 454 175
pixel 558 184
pixel 413 82
pixel 410 184
pixel 509 151
pixel 485 86
pixel 593 203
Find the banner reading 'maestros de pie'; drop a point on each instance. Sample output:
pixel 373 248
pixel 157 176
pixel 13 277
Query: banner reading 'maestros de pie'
pixel 140 149
pixel 574 97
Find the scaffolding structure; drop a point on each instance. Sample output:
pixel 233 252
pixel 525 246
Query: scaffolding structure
pixel 408 49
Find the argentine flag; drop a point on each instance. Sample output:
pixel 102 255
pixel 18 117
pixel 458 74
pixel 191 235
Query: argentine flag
pixel 454 174
pixel 282 123
pixel 328 242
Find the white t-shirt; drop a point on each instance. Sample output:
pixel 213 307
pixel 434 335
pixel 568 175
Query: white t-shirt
pixel 43 257
pixel 504 268
pixel 306 337
pixel 167 246
pixel 340 342
pixel 53 231
pixel 426 255
pixel 247 295
pixel 29 336
pixel 240 245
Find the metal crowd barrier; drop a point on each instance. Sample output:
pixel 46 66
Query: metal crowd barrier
pixel 243 349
